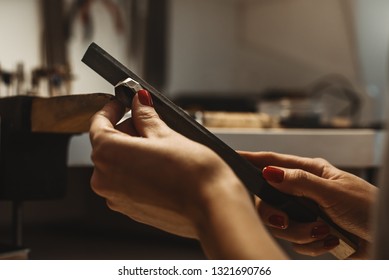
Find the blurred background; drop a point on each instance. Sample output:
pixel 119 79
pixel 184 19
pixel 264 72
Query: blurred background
pixel 214 48
pixel 305 63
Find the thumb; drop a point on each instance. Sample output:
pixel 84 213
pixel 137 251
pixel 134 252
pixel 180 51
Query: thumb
pixel 300 183
pixel 145 118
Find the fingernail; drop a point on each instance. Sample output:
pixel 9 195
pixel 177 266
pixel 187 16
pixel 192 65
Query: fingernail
pixel 145 97
pixel 320 231
pixel 277 221
pixel 273 174
pixel 331 242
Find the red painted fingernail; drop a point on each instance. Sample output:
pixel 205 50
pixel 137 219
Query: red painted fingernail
pixel 273 174
pixel 277 221
pixel 331 242
pixel 320 231
pixel 145 97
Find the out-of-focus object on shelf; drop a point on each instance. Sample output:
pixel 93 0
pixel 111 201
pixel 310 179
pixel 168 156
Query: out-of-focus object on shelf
pixel 229 111
pixel 291 108
pixel 53 81
pixel 192 102
pixel 45 81
pixel 53 76
pixel 330 102
pixel 235 120
pixel 12 82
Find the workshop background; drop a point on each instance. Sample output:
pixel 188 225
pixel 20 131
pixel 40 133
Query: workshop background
pixel 257 55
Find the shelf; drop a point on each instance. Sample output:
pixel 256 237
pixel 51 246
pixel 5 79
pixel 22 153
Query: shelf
pixel 351 148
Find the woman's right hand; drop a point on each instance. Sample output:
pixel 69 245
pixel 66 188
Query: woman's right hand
pixel 345 198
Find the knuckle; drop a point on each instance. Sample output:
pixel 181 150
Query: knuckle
pixel 154 124
pixel 298 175
pixel 111 205
pixel 98 186
pixel 100 148
pixel 321 161
pixel 98 155
pixel 95 183
pixel 148 115
pixel 323 164
pixel 270 156
pixel 97 136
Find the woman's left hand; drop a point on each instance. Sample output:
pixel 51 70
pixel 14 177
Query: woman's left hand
pixel 345 198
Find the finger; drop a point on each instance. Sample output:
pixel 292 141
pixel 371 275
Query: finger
pixel 127 127
pixel 299 183
pixel 263 159
pixel 272 217
pixel 106 118
pixel 317 248
pixel 146 120
pixel 302 233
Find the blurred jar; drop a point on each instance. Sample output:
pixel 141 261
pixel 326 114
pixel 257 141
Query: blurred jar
pixel 292 109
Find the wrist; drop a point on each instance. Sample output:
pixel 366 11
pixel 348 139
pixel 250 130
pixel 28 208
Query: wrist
pixel 228 226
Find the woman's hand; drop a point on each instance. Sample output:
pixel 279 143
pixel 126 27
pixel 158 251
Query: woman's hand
pixel 158 177
pixel 345 198
pixel 149 172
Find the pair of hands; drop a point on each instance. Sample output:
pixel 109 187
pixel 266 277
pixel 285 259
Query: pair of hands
pixel 156 176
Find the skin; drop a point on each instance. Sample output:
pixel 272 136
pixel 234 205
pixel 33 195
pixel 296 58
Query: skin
pixel 346 199
pixel 156 176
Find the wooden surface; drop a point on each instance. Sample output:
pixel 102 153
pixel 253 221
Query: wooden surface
pixel 66 114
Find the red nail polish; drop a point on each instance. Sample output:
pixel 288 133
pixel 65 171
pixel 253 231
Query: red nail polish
pixel 277 221
pixel 331 242
pixel 145 97
pixel 320 231
pixel 273 174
